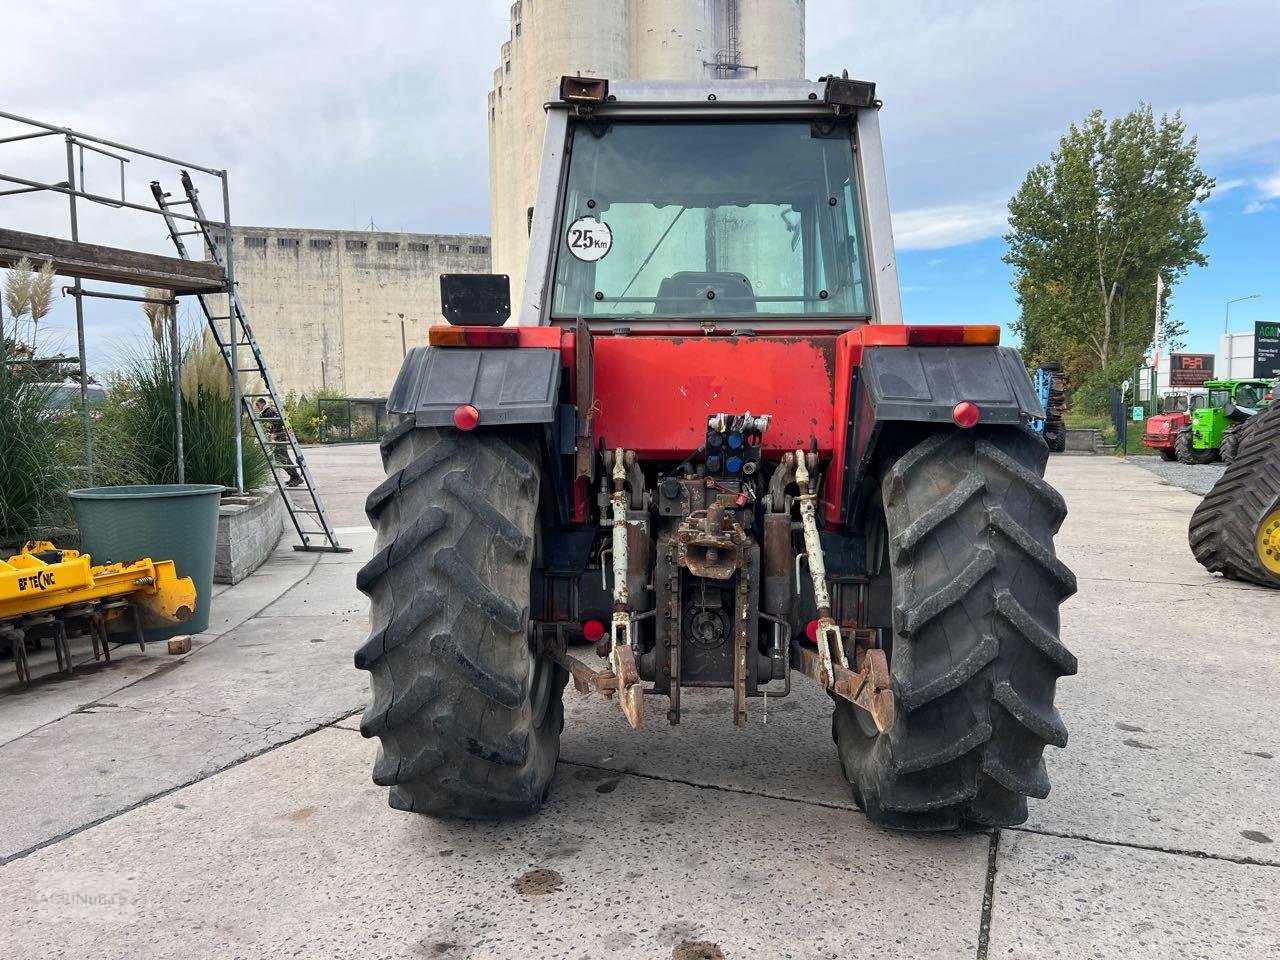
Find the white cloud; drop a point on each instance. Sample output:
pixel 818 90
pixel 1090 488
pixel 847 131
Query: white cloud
pixel 1226 186
pixel 933 228
pixel 976 93
pixel 1257 206
pixel 1269 187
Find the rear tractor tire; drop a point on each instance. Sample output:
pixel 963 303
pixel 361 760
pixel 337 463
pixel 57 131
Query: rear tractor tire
pixel 967 538
pixel 1236 529
pixel 1055 438
pixel 1230 446
pixel 469 718
pixel 1169 456
pixel 1186 453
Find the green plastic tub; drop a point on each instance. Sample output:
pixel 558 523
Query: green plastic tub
pixel 172 521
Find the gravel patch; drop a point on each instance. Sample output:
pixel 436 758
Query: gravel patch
pixel 1198 478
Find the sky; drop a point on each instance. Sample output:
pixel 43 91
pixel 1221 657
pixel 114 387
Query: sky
pixel 336 115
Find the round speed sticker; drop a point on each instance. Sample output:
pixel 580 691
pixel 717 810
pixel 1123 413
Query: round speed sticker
pixel 589 239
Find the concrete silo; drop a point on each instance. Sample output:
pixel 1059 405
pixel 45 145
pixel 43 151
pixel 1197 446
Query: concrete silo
pixel 642 39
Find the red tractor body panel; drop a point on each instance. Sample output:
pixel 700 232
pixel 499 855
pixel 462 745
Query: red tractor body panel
pixel 653 394
pixel 1162 429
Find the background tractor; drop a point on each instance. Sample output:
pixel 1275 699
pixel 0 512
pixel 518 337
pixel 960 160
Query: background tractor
pixel 710 447
pixel 1213 430
pixel 1051 389
pixel 1236 529
pixel 1162 429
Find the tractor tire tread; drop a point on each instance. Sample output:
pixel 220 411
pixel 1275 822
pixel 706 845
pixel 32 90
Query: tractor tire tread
pixel 1224 526
pixel 976 650
pixel 448 653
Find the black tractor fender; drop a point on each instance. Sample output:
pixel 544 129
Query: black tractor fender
pixel 506 385
pixel 900 394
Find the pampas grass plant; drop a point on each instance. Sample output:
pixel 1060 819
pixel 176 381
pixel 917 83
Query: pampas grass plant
pixel 34 468
pixel 140 420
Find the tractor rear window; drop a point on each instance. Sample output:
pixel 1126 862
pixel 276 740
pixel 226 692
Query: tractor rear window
pixel 1248 395
pixel 728 219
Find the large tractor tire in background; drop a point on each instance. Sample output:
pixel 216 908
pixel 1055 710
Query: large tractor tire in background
pixel 966 537
pixel 1236 529
pixel 1230 445
pixel 1186 453
pixel 468 717
pixel 1055 436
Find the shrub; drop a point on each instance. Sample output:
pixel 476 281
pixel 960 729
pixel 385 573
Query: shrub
pixel 139 422
pixel 34 459
pixel 310 418
pixel 36 439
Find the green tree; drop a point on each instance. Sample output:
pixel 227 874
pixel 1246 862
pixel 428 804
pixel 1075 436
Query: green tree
pixel 1090 229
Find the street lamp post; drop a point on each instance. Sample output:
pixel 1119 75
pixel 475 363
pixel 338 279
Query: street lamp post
pixel 1226 323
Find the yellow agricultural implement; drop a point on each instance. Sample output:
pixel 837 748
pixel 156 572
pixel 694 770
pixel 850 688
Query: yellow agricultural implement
pixel 50 593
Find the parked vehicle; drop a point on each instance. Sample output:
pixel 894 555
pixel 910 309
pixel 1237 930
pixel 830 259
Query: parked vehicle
pixel 1229 403
pixel 712 448
pixel 1236 529
pixel 1051 388
pixel 1175 415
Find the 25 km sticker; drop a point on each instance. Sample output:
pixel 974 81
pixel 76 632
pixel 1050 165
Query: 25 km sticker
pixel 589 239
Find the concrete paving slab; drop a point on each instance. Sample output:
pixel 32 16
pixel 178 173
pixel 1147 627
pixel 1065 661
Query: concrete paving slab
pixel 53 694
pixel 791 756
pixel 359 539
pixel 352 722
pixel 295 851
pixel 1171 717
pixel 328 590
pixel 266 682
pixel 345 473
pixel 1173 732
pixel 250 597
pixel 1066 898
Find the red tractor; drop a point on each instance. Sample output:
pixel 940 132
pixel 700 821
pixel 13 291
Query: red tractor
pixel 710 447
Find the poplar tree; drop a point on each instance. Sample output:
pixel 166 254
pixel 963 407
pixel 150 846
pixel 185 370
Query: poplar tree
pixel 1090 229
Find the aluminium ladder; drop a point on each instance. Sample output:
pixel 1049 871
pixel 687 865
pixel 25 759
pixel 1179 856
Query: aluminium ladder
pixel 307 513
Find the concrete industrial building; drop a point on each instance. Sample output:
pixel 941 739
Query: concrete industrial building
pixel 643 39
pixel 336 308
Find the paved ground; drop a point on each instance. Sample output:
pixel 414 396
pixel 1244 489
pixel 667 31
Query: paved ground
pixel 219 804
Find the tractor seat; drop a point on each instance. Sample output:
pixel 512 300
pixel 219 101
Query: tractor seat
pixel 685 293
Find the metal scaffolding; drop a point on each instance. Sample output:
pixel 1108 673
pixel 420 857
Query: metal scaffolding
pixel 208 279
pixel 89 261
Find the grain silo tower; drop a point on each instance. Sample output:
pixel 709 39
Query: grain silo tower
pixel 642 39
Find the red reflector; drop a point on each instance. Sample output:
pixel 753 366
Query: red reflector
pixel 473 337
pixel 465 417
pixel 953 336
pixel 966 414
pixel 811 631
pixel 592 631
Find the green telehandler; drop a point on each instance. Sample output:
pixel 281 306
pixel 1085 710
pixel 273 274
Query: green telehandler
pixel 1215 428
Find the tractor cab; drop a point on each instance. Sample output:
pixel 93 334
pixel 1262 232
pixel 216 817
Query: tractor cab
pixel 763 209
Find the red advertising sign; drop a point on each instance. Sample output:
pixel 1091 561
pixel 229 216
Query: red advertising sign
pixel 1190 369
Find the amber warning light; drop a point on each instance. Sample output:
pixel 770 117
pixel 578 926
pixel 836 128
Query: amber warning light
pixel 473 337
pixel 953 336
